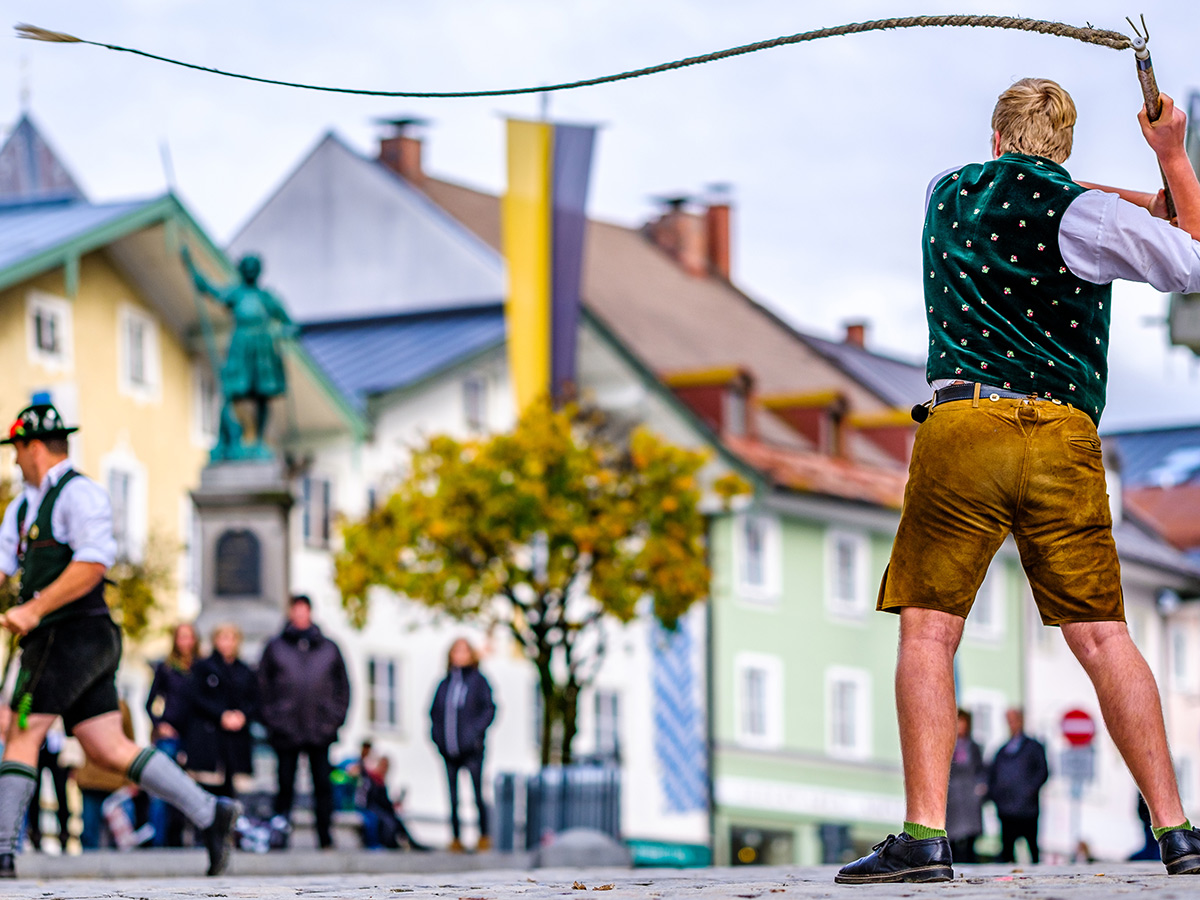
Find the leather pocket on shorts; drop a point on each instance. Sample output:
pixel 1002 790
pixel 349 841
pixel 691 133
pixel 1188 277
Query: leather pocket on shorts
pixel 1085 442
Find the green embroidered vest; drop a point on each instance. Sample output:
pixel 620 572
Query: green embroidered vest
pixel 42 558
pixel 1003 308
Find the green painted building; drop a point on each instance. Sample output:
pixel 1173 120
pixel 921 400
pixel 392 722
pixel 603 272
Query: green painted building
pixel 805 749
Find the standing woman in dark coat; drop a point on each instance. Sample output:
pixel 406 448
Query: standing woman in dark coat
pixel 964 798
pixel 462 711
pixel 167 703
pixel 224 701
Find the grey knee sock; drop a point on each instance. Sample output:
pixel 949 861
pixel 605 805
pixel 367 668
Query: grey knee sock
pixel 17 782
pixel 156 774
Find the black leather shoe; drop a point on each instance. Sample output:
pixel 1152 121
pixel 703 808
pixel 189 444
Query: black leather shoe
pixel 7 868
pixel 901 858
pixel 1180 851
pixel 218 837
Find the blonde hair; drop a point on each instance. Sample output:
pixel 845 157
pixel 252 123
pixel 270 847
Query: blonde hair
pixel 450 654
pixel 230 628
pixel 1036 117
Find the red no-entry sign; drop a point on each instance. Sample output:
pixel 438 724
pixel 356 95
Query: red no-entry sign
pixel 1078 727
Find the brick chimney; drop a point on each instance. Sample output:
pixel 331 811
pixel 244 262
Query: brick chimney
pixel 716 230
pixel 681 235
pixel 400 149
pixel 856 334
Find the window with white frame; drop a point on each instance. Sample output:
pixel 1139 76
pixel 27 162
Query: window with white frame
pixel 207 406
pixel 125 479
pixel 138 362
pixel 734 412
pixel 848 712
pixel 1181 663
pixel 475 397
pixel 986 621
pixel 758 555
pixel 49 331
pixel 120 490
pixel 383 692
pixel 608 724
pixel 846 562
pixel 758 706
pixel 315 511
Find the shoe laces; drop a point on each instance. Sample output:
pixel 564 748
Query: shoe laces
pixel 886 842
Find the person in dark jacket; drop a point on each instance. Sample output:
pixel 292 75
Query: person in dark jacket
pixel 1015 779
pixel 305 695
pixel 223 702
pixel 167 705
pixel 461 713
pixel 964 799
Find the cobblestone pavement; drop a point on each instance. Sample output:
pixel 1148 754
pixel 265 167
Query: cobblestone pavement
pixel 982 882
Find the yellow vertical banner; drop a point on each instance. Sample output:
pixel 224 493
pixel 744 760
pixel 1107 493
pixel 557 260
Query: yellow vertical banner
pixel 525 216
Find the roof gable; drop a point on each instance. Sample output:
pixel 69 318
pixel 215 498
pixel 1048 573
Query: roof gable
pixel 345 237
pixel 31 171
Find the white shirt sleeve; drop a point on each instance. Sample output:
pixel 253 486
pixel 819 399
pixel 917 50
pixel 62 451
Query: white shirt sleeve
pixel 932 184
pixel 82 519
pixel 9 536
pixel 1103 238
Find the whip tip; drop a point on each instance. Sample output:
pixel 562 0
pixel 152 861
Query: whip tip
pixel 34 33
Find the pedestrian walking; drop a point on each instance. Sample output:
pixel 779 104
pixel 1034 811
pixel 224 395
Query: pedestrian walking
pixel 461 714
pixel 304 694
pixel 167 705
pixel 59 535
pixel 223 701
pixel 964 798
pixel 1018 265
pixel 1015 781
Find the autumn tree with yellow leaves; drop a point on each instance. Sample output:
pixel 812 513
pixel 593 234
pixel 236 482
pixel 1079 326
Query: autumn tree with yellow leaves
pixel 545 530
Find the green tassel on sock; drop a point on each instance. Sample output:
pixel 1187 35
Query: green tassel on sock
pixel 921 832
pixel 1159 832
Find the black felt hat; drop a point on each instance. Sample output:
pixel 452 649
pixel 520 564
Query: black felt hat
pixel 37 423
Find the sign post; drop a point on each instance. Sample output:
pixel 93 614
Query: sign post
pixel 1078 762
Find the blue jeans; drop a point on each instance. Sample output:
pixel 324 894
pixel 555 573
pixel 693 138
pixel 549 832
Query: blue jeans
pixel 95 833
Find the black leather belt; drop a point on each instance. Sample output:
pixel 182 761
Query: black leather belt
pixel 967 392
pixel 920 412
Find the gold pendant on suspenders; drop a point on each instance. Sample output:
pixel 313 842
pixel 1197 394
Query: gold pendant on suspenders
pixel 33 532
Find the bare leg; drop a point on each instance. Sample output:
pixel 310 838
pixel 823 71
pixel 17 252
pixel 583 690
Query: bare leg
pixel 105 743
pixel 926 709
pixel 1132 711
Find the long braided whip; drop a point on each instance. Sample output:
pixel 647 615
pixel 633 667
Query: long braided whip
pixel 1111 39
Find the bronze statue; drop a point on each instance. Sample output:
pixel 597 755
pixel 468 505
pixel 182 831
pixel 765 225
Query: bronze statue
pixel 253 368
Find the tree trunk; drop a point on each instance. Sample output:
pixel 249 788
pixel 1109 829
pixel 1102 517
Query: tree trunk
pixel 570 719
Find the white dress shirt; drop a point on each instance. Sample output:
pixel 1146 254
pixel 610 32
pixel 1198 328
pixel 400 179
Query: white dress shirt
pixel 82 519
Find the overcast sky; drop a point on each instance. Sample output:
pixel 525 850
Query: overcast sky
pixel 828 146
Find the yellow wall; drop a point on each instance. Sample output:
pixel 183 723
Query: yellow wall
pixel 160 434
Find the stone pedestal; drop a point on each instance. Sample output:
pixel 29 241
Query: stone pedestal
pixel 243 516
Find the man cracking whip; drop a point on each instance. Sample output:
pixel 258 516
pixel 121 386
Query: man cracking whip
pixel 1019 261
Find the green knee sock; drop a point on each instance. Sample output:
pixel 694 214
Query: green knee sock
pixel 921 832
pixel 1159 832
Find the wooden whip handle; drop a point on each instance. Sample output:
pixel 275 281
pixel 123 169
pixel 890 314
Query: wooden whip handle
pixel 1145 72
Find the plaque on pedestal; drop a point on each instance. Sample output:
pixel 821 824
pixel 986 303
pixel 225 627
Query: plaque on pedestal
pixel 243 511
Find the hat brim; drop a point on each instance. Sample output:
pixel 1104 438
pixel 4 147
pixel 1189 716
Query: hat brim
pixel 41 436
